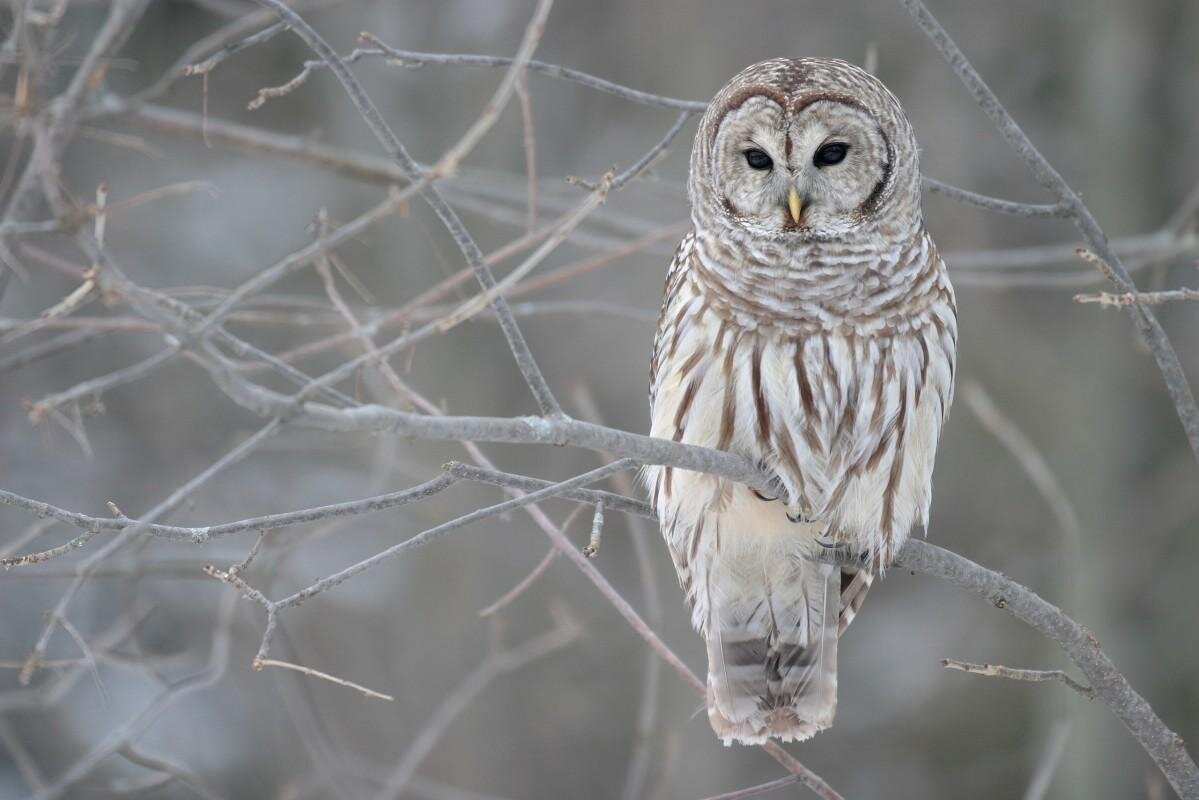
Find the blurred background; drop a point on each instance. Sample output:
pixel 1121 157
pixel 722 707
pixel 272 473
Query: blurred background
pixel 1107 90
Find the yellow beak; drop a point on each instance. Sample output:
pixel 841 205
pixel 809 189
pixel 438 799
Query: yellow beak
pixel 795 205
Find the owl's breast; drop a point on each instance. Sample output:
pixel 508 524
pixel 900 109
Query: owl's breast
pixel 848 421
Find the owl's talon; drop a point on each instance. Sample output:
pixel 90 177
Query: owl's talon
pixel 776 484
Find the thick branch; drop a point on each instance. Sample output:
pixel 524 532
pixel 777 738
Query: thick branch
pixel 1165 747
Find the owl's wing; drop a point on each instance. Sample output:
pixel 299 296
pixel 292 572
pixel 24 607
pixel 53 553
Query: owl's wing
pixel 666 325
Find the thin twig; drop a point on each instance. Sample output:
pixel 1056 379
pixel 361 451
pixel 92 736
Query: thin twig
pixel 199 535
pixel 1032 675
pixel 507 598
pixel 994 203
pixel 756 791
pixel 1110 300
pixel 597 530
pixel 529 138
pixel 470 250
pixel 1165 747
pixel 1145 322
pixel 409 57
pixel 259 663
pixel 494 665
pixel 209 64
pixel 1042 776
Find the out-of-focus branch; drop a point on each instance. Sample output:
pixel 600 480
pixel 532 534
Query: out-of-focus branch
pixel 412 58
pixel 1146 323
pixel 994 203
pixel 470 250
pixel 259 663
pixel 755 791
pixel 176 498
pixel 122 736
pixel 494 665
pixel 56 125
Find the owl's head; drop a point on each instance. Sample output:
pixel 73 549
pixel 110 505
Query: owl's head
pixel 808 148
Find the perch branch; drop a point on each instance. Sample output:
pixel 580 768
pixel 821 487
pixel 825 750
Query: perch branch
pixel 1165 747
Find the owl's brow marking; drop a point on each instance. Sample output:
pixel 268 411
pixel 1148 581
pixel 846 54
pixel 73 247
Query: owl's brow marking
pixel 809 98
pixel 743 96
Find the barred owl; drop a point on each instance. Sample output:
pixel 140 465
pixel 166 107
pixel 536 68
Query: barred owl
pixel 809 325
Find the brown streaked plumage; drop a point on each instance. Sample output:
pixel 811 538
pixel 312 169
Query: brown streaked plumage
pixel 805 317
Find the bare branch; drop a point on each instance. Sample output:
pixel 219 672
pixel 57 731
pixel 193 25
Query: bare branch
pixel 558 235
pixel 198 535
pixel 259 663
pixel 411 58
pixel 1146 323
pixel 1031 675
pixel 597 530
pixel 641 164
pixel 493 666
pixel 171 771
pixel 1109 300
pixel 994 203
pixel 470 250
pixel 123 735
pixel 756 791
pixel 429 535
pixel 209 64
pixel 84 568
pixel 40 409
pixel 1038 785
pixel 520 588
pixel 1165 747
pixel 57 124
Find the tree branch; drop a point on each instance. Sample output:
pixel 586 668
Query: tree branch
pixel 1165 747
pixel 1146 323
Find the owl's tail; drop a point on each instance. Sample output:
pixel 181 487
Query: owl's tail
pixel 772 653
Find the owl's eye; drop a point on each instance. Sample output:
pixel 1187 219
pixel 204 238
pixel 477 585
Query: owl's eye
pixel 829 154
pixel 757 159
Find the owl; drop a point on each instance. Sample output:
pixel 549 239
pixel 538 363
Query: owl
pixel 808 325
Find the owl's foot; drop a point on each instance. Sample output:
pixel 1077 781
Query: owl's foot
pixel 775 488
pixel 843 554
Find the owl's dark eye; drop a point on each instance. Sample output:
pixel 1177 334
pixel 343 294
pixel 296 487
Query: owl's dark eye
pixel 829 154
pixel 758 159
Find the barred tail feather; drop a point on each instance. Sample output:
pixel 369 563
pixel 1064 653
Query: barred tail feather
pixel 855 582
pixel 772 657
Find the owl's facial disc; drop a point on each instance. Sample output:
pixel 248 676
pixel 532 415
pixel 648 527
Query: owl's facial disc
pixel 813 171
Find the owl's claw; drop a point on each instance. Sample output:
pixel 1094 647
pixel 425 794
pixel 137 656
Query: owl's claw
pixel 842 554
pixel 776 485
